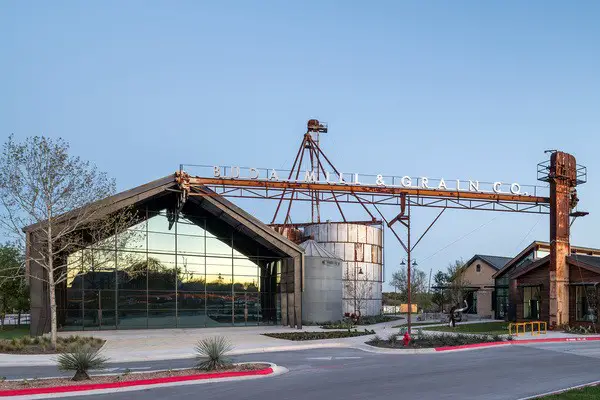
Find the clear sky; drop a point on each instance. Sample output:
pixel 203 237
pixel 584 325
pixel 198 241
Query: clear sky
pixel 459 89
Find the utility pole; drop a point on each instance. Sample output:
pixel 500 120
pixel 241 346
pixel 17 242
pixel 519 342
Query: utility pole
pixel 429 285
pixel 408 266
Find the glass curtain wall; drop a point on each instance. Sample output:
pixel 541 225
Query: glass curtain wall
pixel 151 276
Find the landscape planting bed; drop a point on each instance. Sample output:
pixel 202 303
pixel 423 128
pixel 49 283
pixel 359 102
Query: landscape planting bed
pixel 300 336
pixel 128 379
pixel 41 344
pixel 426 341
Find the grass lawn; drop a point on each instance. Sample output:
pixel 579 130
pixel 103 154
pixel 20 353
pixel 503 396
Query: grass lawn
pixel 11 331
pixel 587 393
pixel 491 328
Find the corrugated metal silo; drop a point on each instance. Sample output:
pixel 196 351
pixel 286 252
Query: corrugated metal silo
pixel 360 246
pixel 322 297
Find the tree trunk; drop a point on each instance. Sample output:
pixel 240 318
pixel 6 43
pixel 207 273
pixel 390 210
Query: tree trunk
pixel 2 313
pixel 19 319
pixel 51 286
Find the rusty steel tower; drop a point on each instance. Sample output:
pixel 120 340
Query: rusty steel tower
pixel 563 174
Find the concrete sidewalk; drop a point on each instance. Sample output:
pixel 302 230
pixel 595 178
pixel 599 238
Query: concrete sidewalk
pixel 164 344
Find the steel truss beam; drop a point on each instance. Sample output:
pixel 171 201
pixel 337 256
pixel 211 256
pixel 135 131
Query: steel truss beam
pixel 352 195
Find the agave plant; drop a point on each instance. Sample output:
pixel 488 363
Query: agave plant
pixel 211 353
pixel 81 359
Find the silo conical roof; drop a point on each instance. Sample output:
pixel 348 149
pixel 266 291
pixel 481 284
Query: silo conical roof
pixel 314 249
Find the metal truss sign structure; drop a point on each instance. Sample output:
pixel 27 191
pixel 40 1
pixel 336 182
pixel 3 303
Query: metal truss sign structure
pixel 263 183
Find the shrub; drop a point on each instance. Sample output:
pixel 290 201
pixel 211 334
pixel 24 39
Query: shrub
pixel 211 353
pixel 392 339
pixel 299 336
pixel 81 360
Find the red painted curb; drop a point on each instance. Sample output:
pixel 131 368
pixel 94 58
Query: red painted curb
pixel 113 385
pixel 471 346
pixel 517 342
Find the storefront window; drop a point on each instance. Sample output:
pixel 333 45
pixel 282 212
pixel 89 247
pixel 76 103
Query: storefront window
pixel 585 303
pixel 159 274
pixel 531 302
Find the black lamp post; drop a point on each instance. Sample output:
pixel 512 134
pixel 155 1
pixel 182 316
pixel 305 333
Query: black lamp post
pixel 408 287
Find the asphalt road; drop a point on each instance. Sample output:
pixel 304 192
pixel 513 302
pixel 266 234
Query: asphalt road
pixel 509 372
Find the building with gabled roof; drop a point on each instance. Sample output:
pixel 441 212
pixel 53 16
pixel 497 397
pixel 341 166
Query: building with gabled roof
pixel 194 263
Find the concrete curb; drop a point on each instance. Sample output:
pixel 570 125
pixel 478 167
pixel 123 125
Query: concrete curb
pixel 46 360
pixel 115 387
pixel 537 396
pixel 29 360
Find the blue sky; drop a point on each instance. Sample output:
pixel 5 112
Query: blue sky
pixel 443 89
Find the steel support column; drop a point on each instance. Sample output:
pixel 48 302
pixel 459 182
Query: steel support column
pixel 563 178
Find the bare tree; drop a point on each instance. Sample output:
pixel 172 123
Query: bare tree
pixel 357 288
pixel 457 283
pixel 57 196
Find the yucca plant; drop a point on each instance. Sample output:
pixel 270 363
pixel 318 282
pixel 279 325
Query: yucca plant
pixel 81 359
pixel 211 353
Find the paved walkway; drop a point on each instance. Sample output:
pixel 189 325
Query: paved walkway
pixel 163 344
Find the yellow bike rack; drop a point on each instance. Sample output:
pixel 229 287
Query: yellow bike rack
pixel 534 332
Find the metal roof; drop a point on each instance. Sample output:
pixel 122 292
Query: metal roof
pixel 496 262
pixel 314 249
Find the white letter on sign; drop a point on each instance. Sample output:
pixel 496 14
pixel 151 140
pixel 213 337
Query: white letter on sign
pixel 310 176
pixel 424 182
pixel 253 173
pixel 473 186
pixel 442 184
pixel 406 181
pixel 515 188
pixel 379 181
pixel 217 171
pixel 274 175
pixel 235 172
pixel 497 186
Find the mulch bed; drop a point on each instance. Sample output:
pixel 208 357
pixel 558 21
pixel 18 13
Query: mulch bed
pixel 126 377
pixel 41 345
pixel 301 336
pixel 434 341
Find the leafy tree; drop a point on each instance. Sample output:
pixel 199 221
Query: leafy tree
pixel 42 186
pixel 14 294
pixel 450 285
pixel 418 280
pixel 439 297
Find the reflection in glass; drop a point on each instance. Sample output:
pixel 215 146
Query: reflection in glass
pixel 158 274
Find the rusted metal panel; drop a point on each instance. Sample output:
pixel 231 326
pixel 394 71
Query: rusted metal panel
pixel 563 179
pixel 361 231
pixel 370 235
pixel 352 233
pixel 368 254
pixel 325 187
pixel 359 254
pixel 349 251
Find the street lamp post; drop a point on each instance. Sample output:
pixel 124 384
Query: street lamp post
pixel 408 286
